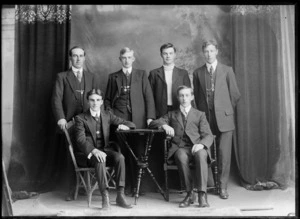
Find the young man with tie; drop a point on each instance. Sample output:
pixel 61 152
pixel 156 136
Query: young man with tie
pixel 191 140
pixel 165 80
pixel 216 94
pixel 129 96
pixel 69 99
pixel 92 131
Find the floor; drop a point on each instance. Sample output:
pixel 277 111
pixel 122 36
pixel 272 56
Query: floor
pixel 241 202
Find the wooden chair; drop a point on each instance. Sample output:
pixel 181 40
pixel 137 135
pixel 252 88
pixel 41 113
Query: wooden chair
pixel 173 166
pixel 86 176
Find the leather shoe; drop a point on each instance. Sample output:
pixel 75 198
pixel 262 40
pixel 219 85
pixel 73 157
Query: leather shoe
pixel 122 202
pixel 223 194
pixel 105 200
pixel 202 197
pixel 187 200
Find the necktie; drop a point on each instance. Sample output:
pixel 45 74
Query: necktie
pixel 79 75
pixel 97 117
pixel 127 73
pixel 212 78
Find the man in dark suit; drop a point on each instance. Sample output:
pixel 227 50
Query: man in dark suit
pixel 69 99
pixel 92 130
pixel 129 96
pixel 165 80
pixel 216 94
pixel 191 140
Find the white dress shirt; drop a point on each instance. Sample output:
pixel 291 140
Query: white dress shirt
pixel 214 65
pixel 129 70
pixel 185 110
pixel 75 70
pixel 168 76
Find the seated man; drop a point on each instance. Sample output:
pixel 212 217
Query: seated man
pixel 191 140
pixel 91 135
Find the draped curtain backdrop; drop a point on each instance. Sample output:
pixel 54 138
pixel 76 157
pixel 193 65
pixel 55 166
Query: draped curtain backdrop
pixel 258 41
pixel 42 39
pixel 263 56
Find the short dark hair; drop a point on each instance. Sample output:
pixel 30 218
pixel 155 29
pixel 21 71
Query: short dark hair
pixel 75 47
pixel 182 87
pixel 126 49
pixel 166 46
pixel 94 91
pixel 209 42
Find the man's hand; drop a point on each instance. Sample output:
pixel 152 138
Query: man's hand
pixel 62 124
pixel 100 155
pixel 196 148
pixel 149 121
pixel 123 127
pixel 169 130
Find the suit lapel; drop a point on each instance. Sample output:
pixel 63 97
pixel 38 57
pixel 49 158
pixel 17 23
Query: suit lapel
pixel 175 77
pixel 105 123
pixel 135 78
pixel 218 75
pixel 71 82
pixel 190 117
pixel 201 75
pixel 161 75
pixel 179 117
pixel 119 80
pixel 90 124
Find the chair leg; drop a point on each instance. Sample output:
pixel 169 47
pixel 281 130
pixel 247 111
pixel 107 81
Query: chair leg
pixel 77 186
pixel 89 194
pixel 167 186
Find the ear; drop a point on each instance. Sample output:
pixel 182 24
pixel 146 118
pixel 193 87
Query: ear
pixel 120 59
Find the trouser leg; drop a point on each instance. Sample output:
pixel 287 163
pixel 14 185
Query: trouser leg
pixel 182 159
pixel 117 160
pixel 224 148
pixel 100 169
pixel 201 170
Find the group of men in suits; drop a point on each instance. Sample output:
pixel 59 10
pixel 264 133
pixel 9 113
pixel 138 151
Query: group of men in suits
pixel 164 99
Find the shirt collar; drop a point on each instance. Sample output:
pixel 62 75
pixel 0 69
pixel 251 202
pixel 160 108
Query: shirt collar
pixel 94 113
pixel 127 69
pixel 169 67
pixel 214 65
pixel 186 109
pixel 77 69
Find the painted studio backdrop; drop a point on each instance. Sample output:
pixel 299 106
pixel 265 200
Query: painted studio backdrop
pixel 257 41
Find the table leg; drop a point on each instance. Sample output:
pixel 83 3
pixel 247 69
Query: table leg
pixel 156 183
pixel 138 185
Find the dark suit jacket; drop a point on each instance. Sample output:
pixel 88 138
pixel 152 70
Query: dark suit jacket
pixel 64 99
pixel 85 131
pixel 159 88
pixel 226 95
pixel 197 129
pixel 142 102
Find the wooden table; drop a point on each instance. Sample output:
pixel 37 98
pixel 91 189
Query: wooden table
pixel 141 162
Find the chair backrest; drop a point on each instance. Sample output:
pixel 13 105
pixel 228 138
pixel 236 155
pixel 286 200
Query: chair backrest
pixel 69 133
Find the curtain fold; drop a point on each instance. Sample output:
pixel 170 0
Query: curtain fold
pixel 264 71
pixel 42 39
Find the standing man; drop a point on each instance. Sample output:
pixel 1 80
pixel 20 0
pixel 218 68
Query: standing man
pixel 129 96
pixel 191 140
pixel 92 129
pixel 69 99
pixel 165 80
pixel 216 94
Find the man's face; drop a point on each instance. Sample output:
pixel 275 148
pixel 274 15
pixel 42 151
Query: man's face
pixel 95 102
pixel 210 53
pixel 185 97
pixel 168 55
pixel 127 59
pixel 77 58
